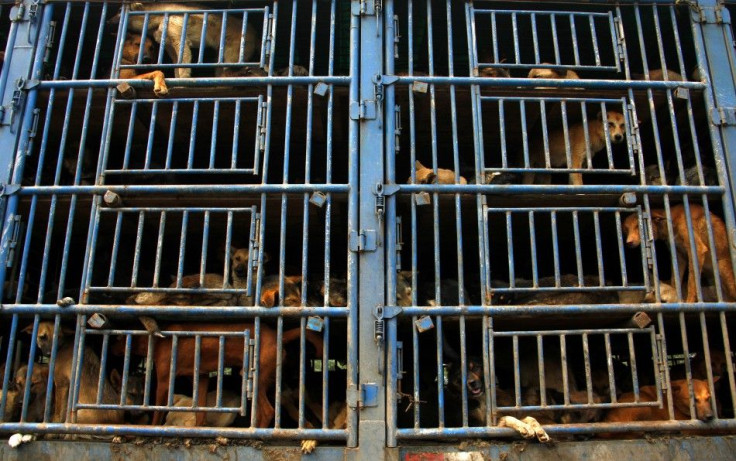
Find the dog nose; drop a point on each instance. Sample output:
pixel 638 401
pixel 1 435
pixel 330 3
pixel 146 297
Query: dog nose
pixel 707 417
pixel 618 138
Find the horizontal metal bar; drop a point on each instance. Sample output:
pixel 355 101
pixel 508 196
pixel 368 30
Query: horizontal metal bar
pixel 593 331
pixel 193 65
pixel 171 431
pixel 560 429
pixel 139 289
pixel 191 99
pixel 155 209
pixel 573 406
pixel 188 190
pixel 550 82
pixel 556 170
pixel 504 65
pixel 200 82
pixel 568 289
pixel 185 312
pixel 109 406
pixel 517 189
pixel 584 14
pixel 194 11
pixel 188 171
pixel 561 209
pixel 510 310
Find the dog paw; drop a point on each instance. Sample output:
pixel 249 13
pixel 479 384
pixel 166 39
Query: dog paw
pixel 308 446
pixel 161 90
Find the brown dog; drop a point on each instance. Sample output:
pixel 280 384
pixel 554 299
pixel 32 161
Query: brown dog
pixel 39 380
pixel 553 74
pixel 426 175
pixel 615 123
pixel 88 380
pixel 681 404
pixel 131 51
pixel 233 357
pixel 682 245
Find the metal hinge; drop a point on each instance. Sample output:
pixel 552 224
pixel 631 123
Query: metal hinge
pixel 49 42
pixel 32 132
pixel 648 240
pixel 17 12
pixel 33 11
pixel 399 242
pixel 363 242
pixel 634 127
pixel 269 40
pixel 710 14
pixel 397 37
pixel 620 40
pixel 262 121
pixel 365 396
pixel 16 225
pixel 397 129
pixel 723 116
pixel 251 369
pixel 363 110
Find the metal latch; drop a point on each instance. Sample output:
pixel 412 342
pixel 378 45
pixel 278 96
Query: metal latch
pixel 723 116
pixel 366 396
pixel 15 102
pixel 269 40
pixel 367 8
pixel 16 224
pixel 634 129
pixel 620 40
pixel 363 241
pixel 399 242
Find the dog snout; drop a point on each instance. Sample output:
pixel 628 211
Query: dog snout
pixel 706 414
pixel 618 137
pixel 240 270
pixel 475 386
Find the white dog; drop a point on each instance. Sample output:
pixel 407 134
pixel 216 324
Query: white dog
pixel 174 34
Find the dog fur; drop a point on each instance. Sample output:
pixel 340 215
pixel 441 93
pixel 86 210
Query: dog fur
pixel 39 380
pixel 88 381
pixel 554 74
pixel 212 419
pixel 428 176
pixel 209 361
pixel 578 146
pixel 174 36
pixel 681 404
pixel 131 52
pixel 682 244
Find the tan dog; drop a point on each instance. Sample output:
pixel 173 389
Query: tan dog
pixel 553 74
pixel 131 52
pixel 213 419
pixel 616 124
pixel 88 381
pixel 176 39
pixel 682 244
pixel 681 404
pixel 427 176
pixel 39 380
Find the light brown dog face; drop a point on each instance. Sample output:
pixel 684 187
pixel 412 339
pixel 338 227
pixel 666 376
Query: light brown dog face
pixel 616 126
pixel 239 258
pixel 132 46
pixel 631 231
pixel 681 397
pixel 45 336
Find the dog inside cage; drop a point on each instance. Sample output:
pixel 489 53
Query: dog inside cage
pixel 554 227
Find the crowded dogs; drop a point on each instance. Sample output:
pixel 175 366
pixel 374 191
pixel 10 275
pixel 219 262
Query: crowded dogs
pixel 193 281
pixel 428 176
pixel 88 380
pixel 175 39
pixel 613 124
pixel 209 361
pixel 682 245
pixel 131 51
pixel 39 379
pixel 681 404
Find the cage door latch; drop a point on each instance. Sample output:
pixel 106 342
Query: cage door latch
pixel 365 396
pixel 363 241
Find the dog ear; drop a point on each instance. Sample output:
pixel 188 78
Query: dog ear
pixel 265 257
pixel 115 379
pixel 268 297
pixel 432 178
pixel 135 6
pixel 659 214
pixel 28 329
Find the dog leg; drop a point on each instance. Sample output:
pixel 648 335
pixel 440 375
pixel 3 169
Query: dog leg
pixel 701 250
pixel 61 394
pixel 681 266
pixel 162 391
pixel 727 278
pixel 202 399
pixel 159 83
pixel 576 179
pixel 541 434
pixel 522 428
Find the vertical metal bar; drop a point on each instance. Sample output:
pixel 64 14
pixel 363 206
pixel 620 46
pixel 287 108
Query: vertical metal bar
pixel 533 245
pixel 541 370
pixel 159 249
pixel 137 252
pixel 556 246
pixel 586 365
pixel 565 377
pixel 599 248
pixel 517 366
pixel 574 34
pixel 172 368
pixel 555 39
